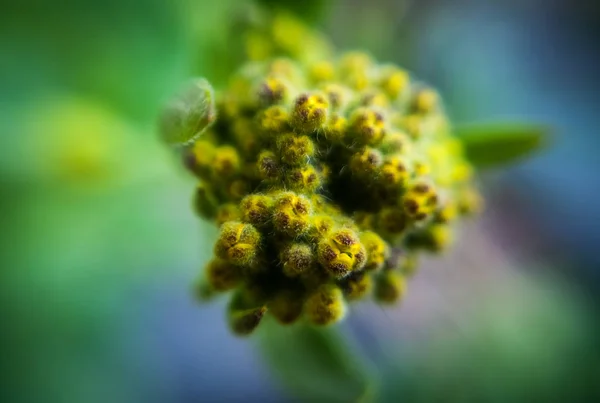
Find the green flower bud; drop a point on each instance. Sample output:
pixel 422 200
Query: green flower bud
pixel 286 306
pixel 243 321
pixel 226 162
pixel 390 287
pixel 222 275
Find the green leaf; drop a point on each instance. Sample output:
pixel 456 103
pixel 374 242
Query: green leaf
pixel 316 364
pixel 492 144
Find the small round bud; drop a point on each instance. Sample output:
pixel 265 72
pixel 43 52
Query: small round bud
pixel 226 161
pixel 268 166
pixel 256 209
pixel 237 243
pixel 338 96
pixel 303 180
pixel 238 188
pixel 222 275
pixel 341 252
pixel 394 172
pixel 357 286
pixel 367 127
pixel 414 126
pixel 295 150
pixel 469 201
pixel 325 306
pixel 354 70
pixel 243 321
pixel 320 226
pixel 434 238
pixel 390 287
pixel 227 212
pixel 291 214
pixel 286 306
pixel 393 81
pixel 394 143
pixel 321 71
pixel 377 250
pixel 392 221
pixel 273 120
pixel 334 130
pixel 310 112
pixel 425 101
pixel 296 258
pixel 200 158
pixel 273 90
pixel 365 163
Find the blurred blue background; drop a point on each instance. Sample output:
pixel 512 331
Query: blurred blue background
pixel 100 246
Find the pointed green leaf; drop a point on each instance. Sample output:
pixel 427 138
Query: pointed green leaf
pixel 491 144
pixel 316 364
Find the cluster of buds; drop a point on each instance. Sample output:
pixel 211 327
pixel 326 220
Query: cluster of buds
pixel 326 180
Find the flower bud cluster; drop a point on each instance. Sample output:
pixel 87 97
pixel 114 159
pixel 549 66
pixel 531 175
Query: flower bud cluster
pixel 326 180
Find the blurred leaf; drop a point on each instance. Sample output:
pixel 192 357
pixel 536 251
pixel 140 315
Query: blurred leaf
pixel 310 10
pixel 189 113
pixel 491 144
pixel 317 364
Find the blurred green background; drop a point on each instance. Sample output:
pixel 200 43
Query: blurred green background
pixel 100 245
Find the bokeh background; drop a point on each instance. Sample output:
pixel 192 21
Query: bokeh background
pixel 100 247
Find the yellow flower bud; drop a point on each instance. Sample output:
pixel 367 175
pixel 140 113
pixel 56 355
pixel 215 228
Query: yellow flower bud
pixel 273 90
pixel 357 286
pixel 325 306
pixel 237 243
pixel 310 112
pixel 256 209
pixel 304 179
pixel 365 163
pixel 393 81
pixel 296 258
pixel 291 214
pixel 226 161
pixel 295 150
pixel 273 120
pixel 367 126
pixel 377 250
pixel 425 101
pixel 341 252
pixel 268 166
